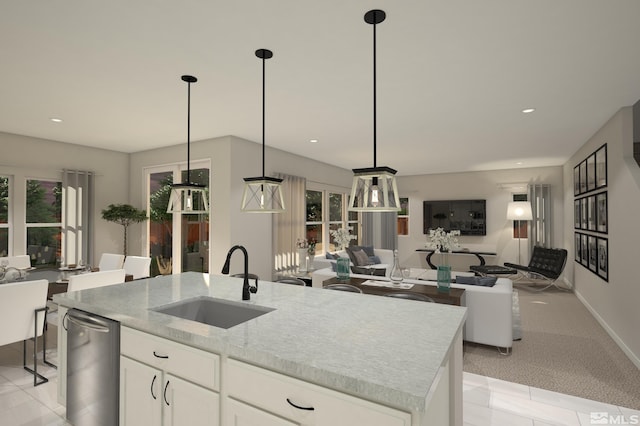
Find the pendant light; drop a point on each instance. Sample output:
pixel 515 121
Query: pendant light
pixel 263 194
pixel 374 188
pixel 188 197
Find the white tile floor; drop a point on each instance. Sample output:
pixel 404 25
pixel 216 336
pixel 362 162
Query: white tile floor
pixel 487 401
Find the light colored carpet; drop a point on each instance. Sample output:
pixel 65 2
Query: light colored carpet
pixel 563 349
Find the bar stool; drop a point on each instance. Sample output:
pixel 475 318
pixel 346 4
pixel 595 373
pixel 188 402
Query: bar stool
pixel 343 287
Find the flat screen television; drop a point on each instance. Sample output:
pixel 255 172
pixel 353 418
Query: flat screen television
pixel 467 216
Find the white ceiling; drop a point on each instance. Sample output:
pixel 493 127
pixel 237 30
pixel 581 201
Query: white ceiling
pixel 453 76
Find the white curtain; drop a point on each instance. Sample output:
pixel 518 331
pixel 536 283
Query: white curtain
pixel 77 219
pixel 380 229
pixel 289 226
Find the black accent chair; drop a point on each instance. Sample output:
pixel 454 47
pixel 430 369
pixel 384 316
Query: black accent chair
pixel 546 265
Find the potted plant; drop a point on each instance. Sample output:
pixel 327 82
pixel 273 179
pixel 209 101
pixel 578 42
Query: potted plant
pixel 125 215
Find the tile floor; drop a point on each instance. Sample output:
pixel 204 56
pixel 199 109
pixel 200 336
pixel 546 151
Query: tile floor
pixel 487 401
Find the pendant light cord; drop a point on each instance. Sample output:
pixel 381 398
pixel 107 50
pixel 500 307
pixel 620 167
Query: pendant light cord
pixel 374 99
pixel 188 132
pixel 263 113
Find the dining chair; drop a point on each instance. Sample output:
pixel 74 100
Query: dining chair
pixel 110 261
pixel 343 287
pixel 95 279
pixel 23 313
pixel 410 296
pixel 138 266
pixel 291 280
pixel 22 261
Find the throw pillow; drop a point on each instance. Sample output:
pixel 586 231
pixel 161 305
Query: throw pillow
pixel 374 260
pixel 361 257
pixel 350 251
pixel 368 250
pixel 334 265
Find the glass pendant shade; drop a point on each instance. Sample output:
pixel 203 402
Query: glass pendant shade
pixel 374 189
pixel 188 197
pixel 262 195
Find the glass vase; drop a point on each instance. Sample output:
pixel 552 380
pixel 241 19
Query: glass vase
pixel 444 279
pixel 396 272
pixel 342 268
pixel 302 259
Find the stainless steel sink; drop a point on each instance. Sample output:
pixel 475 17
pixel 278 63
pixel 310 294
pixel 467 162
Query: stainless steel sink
pixel 216 312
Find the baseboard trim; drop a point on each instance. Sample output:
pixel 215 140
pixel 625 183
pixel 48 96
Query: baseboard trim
pixel 628 352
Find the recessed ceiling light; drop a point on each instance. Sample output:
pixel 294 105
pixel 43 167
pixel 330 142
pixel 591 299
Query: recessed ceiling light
pixel 519 163
pixel 313 140
pixel 528 110
pixel 56 120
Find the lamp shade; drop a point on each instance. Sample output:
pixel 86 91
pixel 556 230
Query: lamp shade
pixel 374 189
pixel 262 195
pixel 519 210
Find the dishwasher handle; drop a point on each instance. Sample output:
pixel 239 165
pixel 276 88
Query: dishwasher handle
pixel 88 321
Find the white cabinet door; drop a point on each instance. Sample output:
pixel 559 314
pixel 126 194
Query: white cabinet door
pixel 187 404
pixel 239 414
pixel 140 394
pixel 62 355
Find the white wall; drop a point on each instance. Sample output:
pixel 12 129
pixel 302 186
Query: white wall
pixel 25 158
pixel 613 303
pixel 233 159
pixel 477 185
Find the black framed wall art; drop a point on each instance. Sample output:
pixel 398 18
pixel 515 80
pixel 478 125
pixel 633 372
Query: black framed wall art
pixel 591 212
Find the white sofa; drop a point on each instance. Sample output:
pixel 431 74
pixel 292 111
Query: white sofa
pixel 489 309
pixel 386 258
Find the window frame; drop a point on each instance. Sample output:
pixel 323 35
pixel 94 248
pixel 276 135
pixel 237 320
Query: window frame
pixel 326 224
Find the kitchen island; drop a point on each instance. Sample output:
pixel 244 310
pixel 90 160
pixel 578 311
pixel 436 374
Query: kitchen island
pixel 396 358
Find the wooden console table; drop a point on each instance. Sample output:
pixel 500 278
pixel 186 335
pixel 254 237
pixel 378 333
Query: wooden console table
pixel 477 254
pixel 451 298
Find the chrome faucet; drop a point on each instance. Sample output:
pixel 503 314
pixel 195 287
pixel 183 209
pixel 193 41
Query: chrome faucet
pixel 246 288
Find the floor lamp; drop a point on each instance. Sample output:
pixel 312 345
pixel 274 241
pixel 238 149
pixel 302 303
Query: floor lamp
pixel 519 210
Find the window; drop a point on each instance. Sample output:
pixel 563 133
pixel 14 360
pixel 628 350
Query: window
pixel 4 216
pixel 403 217
pixel 327 211
pixel 520 227
pixel 44 222
pixel 169 234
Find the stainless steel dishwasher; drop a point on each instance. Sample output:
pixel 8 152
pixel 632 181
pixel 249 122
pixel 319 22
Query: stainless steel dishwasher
pixel 93 369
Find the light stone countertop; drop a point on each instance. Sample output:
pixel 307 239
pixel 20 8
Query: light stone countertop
pixel 378 348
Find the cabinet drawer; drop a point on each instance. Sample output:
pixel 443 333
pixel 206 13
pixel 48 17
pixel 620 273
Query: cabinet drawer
pixel 192 364
pixel 280 394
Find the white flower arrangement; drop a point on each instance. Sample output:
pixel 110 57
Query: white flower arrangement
pixel 342 237
pixel 443 241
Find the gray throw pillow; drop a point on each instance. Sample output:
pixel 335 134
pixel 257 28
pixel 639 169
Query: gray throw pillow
pixel 361 258
pixel 368 250
pixel 350 251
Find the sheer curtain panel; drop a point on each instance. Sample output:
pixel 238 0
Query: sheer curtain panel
pixel 77 216
pixel 289 226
